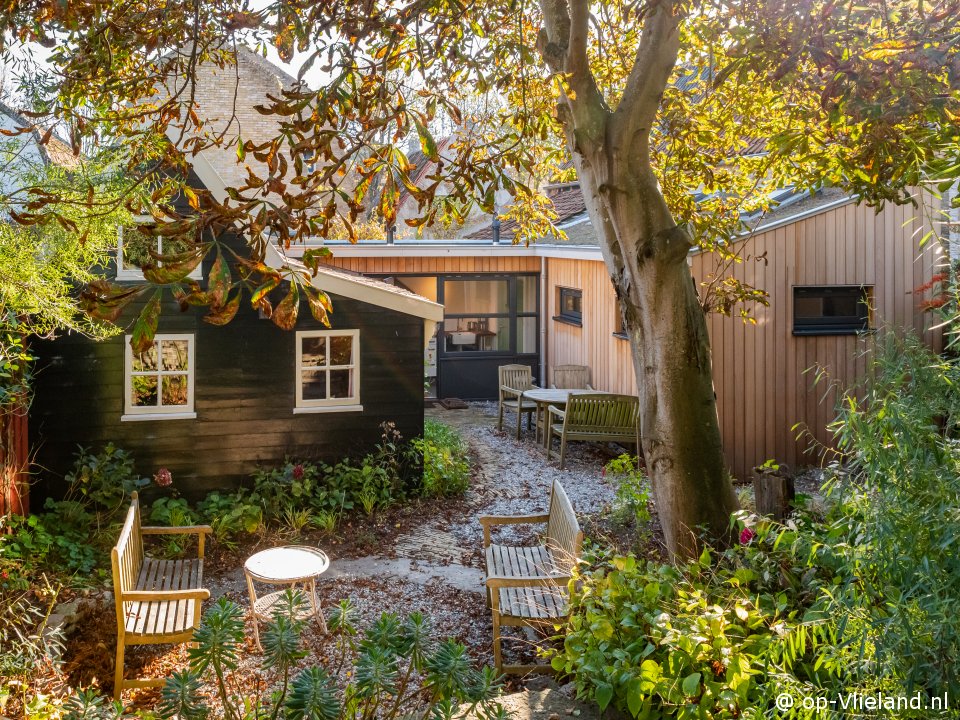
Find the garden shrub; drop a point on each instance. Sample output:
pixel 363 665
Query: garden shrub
pixel 715 638
pixel 865 598
pixel 446 461
pixel 899 486
pixel 632 495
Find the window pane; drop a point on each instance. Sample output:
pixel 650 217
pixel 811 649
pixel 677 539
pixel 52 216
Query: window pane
pixel 314 385
pixel 476 334
pixel 341 383
pixel 526 294
pixel 526 335
pixel 314 351
pixel 143 390
pixel 146 361
pixel 570 302
pixel 174 390
pixel 840 305
pixel 341 350
pixel 476 297
pixel 808 307
pixel 173 354
pixel 137 246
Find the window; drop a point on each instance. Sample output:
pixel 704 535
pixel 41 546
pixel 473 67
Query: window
pixel 328 370
pixel 831 310
pixel 570 305
pixel 134 246
pixel 158 383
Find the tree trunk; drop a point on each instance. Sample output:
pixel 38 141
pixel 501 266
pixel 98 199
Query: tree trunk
pixel 646 254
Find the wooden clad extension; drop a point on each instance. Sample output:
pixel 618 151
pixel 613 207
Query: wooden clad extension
pixel 763 374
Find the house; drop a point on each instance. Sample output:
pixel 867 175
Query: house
pixel 211 403
pixel 834 269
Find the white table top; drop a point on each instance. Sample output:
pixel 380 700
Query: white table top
pixel 556 396
pixel 287 564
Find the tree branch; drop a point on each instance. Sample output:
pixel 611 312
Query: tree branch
pixel 656 57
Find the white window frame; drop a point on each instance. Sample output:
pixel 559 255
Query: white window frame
pixel 328 404
pixel 159 412
pixel 135 273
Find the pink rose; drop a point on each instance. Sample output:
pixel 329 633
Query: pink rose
pixel 163 478
pixel 746 535
pixel 298 472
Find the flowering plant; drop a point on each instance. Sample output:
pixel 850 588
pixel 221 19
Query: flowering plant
pixel 163 478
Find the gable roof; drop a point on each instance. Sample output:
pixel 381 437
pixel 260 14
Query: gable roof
pixel 360 287
pixel 567 200
pixel 55 152
pixel 328 279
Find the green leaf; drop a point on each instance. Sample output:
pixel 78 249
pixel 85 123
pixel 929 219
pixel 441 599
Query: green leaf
pixel 427 143
pixel 145 328
pixel 603 695
pixel 220 280
pixel 691 684
pixel 262 291
pixel 704 559
pixel 634 697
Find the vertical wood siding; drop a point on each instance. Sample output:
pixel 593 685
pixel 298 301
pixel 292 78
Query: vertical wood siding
pixel 427 265
pixel 764 375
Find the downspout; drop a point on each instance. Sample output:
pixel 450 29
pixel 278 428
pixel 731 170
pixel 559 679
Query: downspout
pixel 543 321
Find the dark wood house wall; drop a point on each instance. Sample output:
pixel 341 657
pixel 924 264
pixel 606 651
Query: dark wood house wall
pixel 244 398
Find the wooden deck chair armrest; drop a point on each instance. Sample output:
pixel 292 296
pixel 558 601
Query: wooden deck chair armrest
pixel 511 391
pixel 182 530
pixel 487 520
pixel 164 595
pixel 502 581
pixel 554 410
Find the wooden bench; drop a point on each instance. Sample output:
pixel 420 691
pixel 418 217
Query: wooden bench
pixel 594 418
pixel 527 586
pixel 158 601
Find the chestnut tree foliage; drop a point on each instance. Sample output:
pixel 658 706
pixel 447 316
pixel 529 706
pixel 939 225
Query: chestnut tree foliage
pixel 660 105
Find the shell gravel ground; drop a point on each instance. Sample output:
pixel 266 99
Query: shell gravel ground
pixel 510 477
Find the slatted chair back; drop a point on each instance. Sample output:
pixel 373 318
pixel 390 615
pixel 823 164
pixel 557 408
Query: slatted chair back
pixel 612 413
pixel 517 377
pixel 127 557
pixel 564 537
pixel 571 377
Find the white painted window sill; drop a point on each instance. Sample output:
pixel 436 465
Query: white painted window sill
pixel 138 417
pixel 327 409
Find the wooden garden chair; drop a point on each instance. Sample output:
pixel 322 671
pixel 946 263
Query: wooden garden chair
pixel 527 586
pixel 514 381
pixel 571 377
pixel 594 418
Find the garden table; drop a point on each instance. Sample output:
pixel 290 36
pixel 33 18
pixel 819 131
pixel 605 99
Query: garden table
pixel 557 397
pixel 291 565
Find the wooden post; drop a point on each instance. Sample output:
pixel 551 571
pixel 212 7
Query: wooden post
pixel 773 491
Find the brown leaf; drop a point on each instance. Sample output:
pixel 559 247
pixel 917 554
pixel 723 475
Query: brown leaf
pixel 285 314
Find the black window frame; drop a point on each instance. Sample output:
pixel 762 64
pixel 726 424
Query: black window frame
pixel 571 318
pixel 833 324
